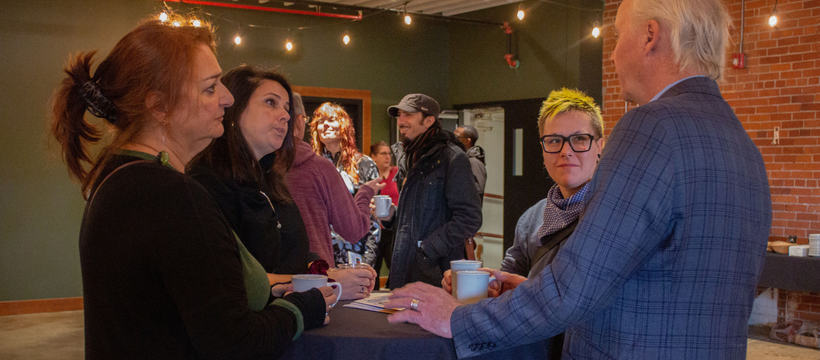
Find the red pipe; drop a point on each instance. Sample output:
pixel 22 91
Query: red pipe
pixel 262 8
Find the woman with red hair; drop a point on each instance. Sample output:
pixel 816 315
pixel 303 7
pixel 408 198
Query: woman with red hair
pixel 333 137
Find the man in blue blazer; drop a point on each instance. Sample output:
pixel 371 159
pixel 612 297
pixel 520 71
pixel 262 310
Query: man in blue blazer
pixel 664 260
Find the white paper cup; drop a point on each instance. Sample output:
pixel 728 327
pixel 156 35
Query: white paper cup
pixel 305 282
pixel 383 203
pixel 472 286
pixel 461 265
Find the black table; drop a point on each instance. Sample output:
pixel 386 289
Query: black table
pixel 790 273
pixel 360 335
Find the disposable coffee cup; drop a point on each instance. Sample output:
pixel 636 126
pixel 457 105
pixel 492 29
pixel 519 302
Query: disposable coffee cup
pixel 461 265
pixel 383 203
pixel 472 286
pixel 305 282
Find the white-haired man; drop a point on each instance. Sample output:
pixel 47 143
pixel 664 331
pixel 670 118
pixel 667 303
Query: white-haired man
pixel 664 260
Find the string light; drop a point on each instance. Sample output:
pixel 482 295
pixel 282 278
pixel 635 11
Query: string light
pixel 163 16
pixel 520 14
pixel 177 23
pixel 196 23
pixel 346 39
pixel 773 18
pixel 237 40
pixel 596 31
pixel 407 19
pixel 289 45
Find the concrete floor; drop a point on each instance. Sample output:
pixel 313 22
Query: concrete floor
pixel 60 335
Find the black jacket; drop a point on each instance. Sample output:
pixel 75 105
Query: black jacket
pixel 440 207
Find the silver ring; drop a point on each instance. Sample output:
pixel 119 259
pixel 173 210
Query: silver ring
pixel 362 291
pixel 414 305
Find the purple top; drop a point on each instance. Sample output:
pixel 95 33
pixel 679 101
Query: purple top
pixel 323 200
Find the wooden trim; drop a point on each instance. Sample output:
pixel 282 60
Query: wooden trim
pixel 363 95
pixel 489 235
pixel 40 306
pixel 493 196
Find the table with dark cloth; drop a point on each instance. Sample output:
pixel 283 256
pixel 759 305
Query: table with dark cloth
pixel 360 335
pixel 793 273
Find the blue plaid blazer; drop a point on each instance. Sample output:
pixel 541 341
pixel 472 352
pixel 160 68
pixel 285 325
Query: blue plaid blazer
pixel 664 261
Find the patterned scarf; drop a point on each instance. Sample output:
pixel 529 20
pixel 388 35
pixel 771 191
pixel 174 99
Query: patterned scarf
pixel 412 148
pixel 560 212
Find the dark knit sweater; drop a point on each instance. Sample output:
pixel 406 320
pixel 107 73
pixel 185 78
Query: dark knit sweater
pixel 163 278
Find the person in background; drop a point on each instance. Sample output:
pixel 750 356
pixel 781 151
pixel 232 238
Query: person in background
pixel 333 137
pixel 323 199
pixel 163 274
pixel 468 136
pixel 437 212
pixel 664 262
pixel 572 133
pixel 381 154
pixel 238 171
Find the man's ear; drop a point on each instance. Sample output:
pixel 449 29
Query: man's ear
pixel 428 121
pixel 652 32
pixel 157 106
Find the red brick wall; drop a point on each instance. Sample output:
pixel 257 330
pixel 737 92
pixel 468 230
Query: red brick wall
pixel 780 86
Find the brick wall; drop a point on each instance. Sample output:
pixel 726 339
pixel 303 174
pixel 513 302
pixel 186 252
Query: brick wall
pixel 780 86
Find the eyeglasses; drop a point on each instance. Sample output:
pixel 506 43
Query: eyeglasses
pixel 577 142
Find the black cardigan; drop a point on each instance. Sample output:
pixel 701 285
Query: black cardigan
pixel 162 276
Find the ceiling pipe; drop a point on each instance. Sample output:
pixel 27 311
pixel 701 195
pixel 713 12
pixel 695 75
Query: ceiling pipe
pixel 264 8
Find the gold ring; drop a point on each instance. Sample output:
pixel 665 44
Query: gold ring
pixel 414 305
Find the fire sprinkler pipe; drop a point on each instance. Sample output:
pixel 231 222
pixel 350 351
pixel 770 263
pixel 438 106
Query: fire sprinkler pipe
pixel 263 8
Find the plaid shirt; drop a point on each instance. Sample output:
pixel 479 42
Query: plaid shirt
pixel 664 261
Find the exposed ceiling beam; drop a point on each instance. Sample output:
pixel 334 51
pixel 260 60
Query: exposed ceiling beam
pixel 466 9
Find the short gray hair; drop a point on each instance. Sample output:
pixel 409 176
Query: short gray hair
pixel 699 30
pixel 298 106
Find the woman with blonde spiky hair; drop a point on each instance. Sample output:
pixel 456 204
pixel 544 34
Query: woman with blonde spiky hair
pixel 571 130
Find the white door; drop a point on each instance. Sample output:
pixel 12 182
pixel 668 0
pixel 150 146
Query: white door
pixel 490 125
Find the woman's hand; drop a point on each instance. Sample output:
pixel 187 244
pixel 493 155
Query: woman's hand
pixel 356 283
pixel 503 282
pixel 280 290
pixel 376 184
pixel 330 300
pixel 447 281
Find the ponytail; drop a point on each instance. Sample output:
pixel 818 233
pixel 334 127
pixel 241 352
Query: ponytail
pixel 68 124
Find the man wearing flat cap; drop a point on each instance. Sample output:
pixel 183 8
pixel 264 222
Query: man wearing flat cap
pixel 436 212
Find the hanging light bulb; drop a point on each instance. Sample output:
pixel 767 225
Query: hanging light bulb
pixel 346 39
pixel 237 40
pixel 163 16
pixel 520 14
pixel 196 23
pixel 773 18
pixel 289 45
pixel 596 31
pixel 407 19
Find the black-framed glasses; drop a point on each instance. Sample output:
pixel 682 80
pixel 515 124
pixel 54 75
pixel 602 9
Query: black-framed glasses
pixel 577 142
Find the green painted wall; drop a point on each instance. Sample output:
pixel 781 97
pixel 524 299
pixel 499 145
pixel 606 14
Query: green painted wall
pixel 41 209
pixel 547 43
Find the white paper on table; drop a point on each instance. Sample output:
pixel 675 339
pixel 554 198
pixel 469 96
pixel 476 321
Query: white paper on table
pixel 374 302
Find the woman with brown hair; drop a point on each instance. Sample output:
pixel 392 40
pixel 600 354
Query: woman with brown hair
pixel 163 274
pixel 333 137
pixel 244 172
